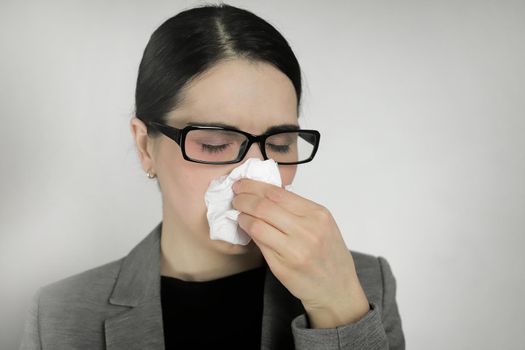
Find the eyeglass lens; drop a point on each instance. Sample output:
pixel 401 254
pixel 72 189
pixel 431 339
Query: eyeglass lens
pixel 225 145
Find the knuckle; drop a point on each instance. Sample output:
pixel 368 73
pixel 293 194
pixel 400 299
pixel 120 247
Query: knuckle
pixel 323 213
pixel 275 193
pixel 256 227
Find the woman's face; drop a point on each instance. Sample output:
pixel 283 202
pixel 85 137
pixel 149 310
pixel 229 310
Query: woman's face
pixel 252 96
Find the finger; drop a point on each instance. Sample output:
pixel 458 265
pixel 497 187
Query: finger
pixel 266 210
pixel 272 258
pixel 287 200
pixel 262 232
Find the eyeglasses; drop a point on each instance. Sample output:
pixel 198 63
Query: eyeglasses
pixel 220 145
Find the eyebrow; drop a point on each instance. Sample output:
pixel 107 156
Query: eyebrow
pixel 275 128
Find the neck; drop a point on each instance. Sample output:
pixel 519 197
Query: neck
pixel 193 256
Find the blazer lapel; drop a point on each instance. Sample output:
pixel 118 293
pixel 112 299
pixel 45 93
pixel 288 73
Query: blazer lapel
pixel 138 287
pixel 279 309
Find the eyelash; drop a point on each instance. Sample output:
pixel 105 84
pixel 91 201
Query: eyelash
pixel 219 148
pixel 214 149
pixel 280 148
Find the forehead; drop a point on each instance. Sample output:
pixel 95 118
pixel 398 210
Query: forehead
pixel 249 95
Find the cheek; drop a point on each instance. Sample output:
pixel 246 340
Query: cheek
pixel 183 185
pixel 191 180
pixel 287 173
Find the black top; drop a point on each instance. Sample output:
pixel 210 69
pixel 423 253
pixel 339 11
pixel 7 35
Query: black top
pixel 217 314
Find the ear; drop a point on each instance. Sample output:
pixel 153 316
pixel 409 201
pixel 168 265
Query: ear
pixel 145 145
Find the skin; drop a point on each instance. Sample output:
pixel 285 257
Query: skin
pixel 298 238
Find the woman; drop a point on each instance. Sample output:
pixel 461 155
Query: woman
pixel 208 72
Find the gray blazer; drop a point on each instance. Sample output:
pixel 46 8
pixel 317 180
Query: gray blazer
pixel 117 306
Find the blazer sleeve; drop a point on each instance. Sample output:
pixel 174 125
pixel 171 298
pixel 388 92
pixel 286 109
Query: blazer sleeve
pixel 31 335
pixel 379 329
pixel 391 318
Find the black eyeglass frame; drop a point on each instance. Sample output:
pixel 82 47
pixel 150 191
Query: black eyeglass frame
pixel 179 136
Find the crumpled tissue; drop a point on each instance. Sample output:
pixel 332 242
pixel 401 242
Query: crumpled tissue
pixel 222 218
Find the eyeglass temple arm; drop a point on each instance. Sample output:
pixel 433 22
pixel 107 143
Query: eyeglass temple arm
pixel 169 131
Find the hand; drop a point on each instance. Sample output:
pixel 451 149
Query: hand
pixel 304 249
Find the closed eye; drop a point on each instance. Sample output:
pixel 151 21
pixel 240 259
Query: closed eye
pixel 214 148
pixel 279 148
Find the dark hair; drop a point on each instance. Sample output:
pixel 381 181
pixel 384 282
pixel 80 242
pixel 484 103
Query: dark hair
pixel 191 42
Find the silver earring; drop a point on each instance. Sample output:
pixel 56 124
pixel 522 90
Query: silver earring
pixel 151 176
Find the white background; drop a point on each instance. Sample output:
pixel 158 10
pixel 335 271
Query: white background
pixel 422 158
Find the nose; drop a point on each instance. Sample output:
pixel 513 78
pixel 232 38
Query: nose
pixel 254 152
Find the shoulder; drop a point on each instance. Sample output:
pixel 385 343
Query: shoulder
pixel 92 286
pixel 79 301
pixel 375 275
pixel 70 313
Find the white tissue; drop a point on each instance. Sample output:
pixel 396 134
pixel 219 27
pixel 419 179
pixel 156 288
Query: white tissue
pixel 222 218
